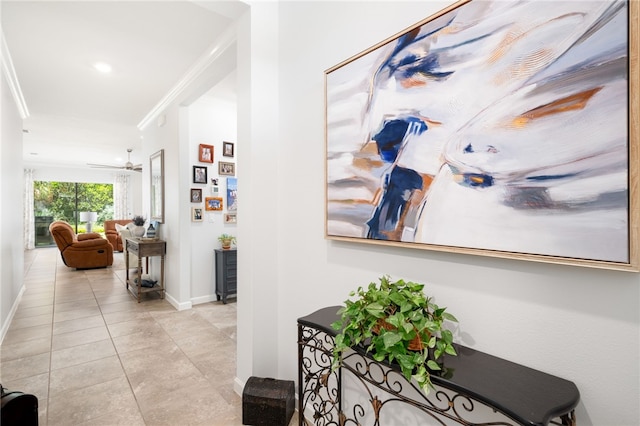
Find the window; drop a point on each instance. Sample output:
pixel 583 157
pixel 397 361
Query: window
pixel 64 201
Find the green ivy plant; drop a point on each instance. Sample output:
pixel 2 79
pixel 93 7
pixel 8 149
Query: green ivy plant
pixel 388 320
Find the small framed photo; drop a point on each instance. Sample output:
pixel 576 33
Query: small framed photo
pixel 227 169
pixel 232 194
pixel 196 195
pixel 199 174
pixel 227 149
pixel 196 214
pixel 205 153
pixel 230 218
pixel 213 203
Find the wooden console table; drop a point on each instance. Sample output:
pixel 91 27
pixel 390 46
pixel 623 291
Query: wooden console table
pixel 523 395
pixel 145 248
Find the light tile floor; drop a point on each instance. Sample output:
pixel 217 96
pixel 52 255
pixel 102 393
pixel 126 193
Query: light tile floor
pixel 94 356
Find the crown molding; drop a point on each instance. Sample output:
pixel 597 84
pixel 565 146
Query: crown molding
pixel 12 80
pixel 222 43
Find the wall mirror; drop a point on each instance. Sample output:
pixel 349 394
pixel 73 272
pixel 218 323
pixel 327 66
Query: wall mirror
pixel 157 186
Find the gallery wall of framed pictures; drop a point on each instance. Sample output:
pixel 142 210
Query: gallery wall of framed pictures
pixel 211 185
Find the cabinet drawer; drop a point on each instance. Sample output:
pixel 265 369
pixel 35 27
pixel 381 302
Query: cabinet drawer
pixel 231 259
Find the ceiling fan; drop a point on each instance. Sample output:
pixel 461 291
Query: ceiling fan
pixel 127 166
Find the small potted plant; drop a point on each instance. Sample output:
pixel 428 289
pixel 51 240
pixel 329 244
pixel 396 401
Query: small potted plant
pixel 396 323
pixel 226 240
pixel 138 221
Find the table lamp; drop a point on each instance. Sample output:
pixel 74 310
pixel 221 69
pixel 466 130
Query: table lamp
pixel 89 218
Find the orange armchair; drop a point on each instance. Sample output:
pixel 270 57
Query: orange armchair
pixel 112 233
pixel 83 251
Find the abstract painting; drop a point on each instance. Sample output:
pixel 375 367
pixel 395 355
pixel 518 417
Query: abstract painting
pixel 497 128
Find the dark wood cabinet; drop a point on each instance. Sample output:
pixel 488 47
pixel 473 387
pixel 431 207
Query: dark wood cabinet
pixel 226 273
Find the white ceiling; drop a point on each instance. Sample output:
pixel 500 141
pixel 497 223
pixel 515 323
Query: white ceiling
pixel 78 115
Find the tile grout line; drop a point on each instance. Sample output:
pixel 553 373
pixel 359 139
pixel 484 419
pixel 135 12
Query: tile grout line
pixel 53 311
pixel 87 278
pixel 115 347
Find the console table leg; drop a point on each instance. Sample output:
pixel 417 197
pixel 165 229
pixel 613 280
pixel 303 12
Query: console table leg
pixel 162 292
pixel 319 387
pixel 300 378
pixel 569 419
pixel 140 275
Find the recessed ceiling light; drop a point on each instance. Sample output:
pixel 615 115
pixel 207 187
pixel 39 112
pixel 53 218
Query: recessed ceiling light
pixel 102 67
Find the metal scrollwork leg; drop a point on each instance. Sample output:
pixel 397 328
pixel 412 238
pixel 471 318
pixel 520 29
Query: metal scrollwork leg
pixel 319 386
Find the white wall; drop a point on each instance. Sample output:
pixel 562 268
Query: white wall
pixel 211 121
pixel 577 323
pixel 164 134
pixel 262 209
pixel 65 174
pixel 84 175
pixel 11 221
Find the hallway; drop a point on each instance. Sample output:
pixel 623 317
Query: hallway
pixel 94 356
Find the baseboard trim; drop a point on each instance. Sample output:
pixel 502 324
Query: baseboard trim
pixel 238 386
pixel 204 299
pixel 12 313
pixel 179 306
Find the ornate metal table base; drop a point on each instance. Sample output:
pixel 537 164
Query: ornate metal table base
pixel 322 391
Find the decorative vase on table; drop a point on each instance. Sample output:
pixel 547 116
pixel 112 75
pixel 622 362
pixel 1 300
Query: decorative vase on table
pixel 151 231
pixel 138 231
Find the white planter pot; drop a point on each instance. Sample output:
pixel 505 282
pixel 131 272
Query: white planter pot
pixel 138 231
